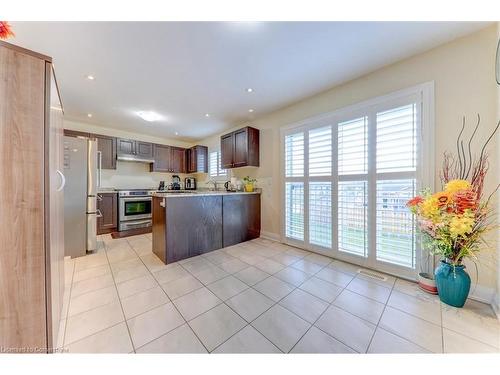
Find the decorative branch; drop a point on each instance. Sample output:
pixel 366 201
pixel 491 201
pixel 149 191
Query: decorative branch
pixel 470 141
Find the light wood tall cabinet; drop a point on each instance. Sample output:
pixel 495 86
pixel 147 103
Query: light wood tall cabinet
pixel 32 220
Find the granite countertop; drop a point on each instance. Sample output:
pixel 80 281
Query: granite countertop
pixel 201 193
pixel 106 190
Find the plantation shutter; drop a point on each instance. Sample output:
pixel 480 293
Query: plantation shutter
pixel 320 152
pixel 294 155
pixel 348 176
pixel 294 190
pixel 396 146
pixel 396 139
pixel 213 163
pixel 352 186
pixel 352 146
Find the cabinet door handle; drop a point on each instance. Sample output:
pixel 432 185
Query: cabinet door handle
pixel 63 180
pixel 98 213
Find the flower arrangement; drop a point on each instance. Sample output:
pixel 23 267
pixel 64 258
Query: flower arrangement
pixel 5 30
pixel 453 221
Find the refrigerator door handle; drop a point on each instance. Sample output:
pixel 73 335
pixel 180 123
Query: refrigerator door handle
pixel 63 180
pixel 99 167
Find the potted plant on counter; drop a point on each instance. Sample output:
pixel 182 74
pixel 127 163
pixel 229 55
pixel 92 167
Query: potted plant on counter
pixel 249 183
pixel 453 221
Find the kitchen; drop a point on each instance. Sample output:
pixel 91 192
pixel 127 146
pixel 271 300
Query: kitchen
pixel 95 207
pixel 182 197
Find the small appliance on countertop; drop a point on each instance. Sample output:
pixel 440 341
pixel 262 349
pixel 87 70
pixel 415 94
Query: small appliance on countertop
pixel 190 183
pixel 161 187
pixel 176 183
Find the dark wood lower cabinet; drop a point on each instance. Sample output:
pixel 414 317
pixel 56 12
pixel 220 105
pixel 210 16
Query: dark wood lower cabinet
pixel 190 226
pixel 107 204
pixel 241 220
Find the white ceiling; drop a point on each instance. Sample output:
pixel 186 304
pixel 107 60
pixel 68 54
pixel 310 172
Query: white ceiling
pixel 183 70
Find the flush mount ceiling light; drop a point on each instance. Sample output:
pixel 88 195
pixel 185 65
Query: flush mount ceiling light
pixel 250 110
pixel 90 77
pixel 176 133
pixel 149 116
pixel 207 114
pixel 249 89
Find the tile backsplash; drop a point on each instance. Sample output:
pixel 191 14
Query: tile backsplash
pixel 134 175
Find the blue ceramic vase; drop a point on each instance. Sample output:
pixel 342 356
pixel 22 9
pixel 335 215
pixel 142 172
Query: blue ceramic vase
pixel 453 284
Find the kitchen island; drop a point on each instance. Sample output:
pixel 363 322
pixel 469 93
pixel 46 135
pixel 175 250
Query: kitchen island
pixel 190 224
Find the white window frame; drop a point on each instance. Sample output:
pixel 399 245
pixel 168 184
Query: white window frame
pixel 423 94
pixel 219 177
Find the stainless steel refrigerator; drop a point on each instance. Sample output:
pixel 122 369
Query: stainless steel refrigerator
pixel 80 196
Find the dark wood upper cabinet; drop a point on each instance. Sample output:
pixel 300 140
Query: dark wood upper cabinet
pixel 178 160
pixel 144 149
pixel 168 159
pixel 107 204
pixel 226 148
pixel 125 146
pixel 240 148
pixel 107 148
pixel 161 155
pixel 197 159
pixel 133 148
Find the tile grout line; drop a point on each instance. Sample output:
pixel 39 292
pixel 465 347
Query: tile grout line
pixel 175 307
pixel 278 303
pixel 319 317
pixel 67 307
pixel 224 302
pixel 119 300
pixel 380 318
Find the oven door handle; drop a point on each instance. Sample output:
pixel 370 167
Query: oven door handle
pixel 138 222
pixel 135 199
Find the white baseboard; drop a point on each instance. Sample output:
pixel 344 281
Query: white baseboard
pixel 482 294
pixel 496 304
pixel 270 236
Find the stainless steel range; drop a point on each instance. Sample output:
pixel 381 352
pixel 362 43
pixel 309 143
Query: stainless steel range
pixel 134 209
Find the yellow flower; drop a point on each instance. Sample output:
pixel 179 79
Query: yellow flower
pixel 430 207
pixel 460 225
pixel 455 185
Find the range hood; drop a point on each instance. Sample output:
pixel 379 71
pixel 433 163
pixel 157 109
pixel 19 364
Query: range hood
pixel 135 158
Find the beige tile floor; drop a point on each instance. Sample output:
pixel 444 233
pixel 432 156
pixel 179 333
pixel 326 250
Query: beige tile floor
pixel 259 296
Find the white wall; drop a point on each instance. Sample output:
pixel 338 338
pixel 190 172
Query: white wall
pixel 463 72
pixel 129 174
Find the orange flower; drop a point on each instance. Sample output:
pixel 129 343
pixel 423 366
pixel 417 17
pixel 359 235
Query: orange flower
pixel 415 201
pixel 465 200
pixel 443 198
pixel 5 30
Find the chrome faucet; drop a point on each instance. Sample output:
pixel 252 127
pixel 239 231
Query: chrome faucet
pixel 213 182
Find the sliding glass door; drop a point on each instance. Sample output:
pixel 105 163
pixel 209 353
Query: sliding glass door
pixel 347 178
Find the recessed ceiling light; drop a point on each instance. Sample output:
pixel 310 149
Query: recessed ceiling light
pixel 89 115
pixel 249 89
pixel 149 116
pixel 176 133
pixel 250 110
pixel 207 114
pixel 90 77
